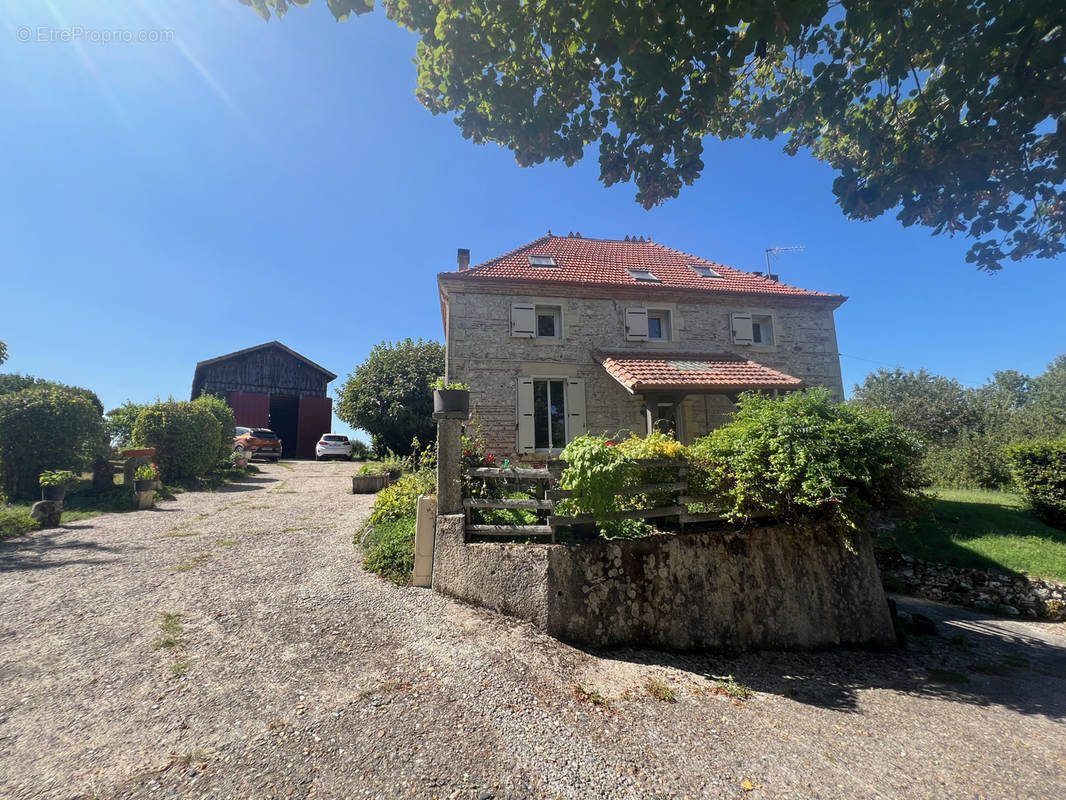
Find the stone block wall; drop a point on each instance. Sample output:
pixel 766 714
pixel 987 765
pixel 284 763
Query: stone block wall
pixel 766 587
pixel 482 353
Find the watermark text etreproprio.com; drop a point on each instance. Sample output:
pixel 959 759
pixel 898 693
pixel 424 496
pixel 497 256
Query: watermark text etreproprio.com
pixel 49 34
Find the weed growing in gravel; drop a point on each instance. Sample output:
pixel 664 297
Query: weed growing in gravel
pixel 193 562
pixel 191 757
pixel 179 668
pixel 660 691
pixel 729 687
pixel 181 534
pixel 280 488
pixel 385 687
pixel 292 529
pixel 276 724
pixel 227 542
pixel 588 695
pixel 173 632
pixel 286 464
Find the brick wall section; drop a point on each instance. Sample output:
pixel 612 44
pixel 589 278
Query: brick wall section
pixel 482 353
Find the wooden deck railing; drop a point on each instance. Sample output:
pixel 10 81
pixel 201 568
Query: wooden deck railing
pixel 543 484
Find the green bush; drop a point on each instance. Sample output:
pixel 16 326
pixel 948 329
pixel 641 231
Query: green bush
pixel 400 499
pixel 15 522
pixel 803 456
pixel 47 427
pixel 390 550
pixel 227 422
pixel 120 422
pixel 1039 470
pixel 185 436
pixel 973 461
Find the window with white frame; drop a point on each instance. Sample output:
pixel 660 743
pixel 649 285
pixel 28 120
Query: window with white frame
pixel 658 325
pixel 551 412
pixel 549 322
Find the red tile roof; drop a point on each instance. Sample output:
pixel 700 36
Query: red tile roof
pixel 690 371
pixel 605 262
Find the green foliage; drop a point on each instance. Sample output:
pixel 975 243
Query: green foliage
pixel 43 427
pixel 388 395
pixel 944 112
pixel 400 499
pixel 3 351
pixel 227 422
pixel 185 436
pixel 56 477
pixel 390 550
pixel 146 472
pixel 1039 470
pixel 15 522
pixel 803 456
pixel 930 405
pixel 442 385
pixel 595 470
pixel 360 451
pixel 120 423
pixel 506 516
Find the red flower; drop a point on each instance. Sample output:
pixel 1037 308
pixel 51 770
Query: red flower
pixel 609 444
pixel 466 453
pixel 490 459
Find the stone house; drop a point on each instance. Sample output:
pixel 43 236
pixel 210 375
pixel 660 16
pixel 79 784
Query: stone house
pixel 568 335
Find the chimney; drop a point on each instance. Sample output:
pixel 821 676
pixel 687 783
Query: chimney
pixel 463 257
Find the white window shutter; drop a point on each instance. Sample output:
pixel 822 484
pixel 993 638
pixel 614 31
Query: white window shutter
pixel 524 411
pixel 575 407
pixel 742 332
pixel 637 324
pixel 523 320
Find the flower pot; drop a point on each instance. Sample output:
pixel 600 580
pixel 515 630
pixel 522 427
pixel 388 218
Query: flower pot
pixel 134 452
pixel 56 493
pixel 144 486
pixel 451 401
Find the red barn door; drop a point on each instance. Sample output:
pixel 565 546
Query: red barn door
pixel 316 418
pixel 252 409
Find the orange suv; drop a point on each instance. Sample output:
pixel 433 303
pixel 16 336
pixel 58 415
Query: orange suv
pixel 259 442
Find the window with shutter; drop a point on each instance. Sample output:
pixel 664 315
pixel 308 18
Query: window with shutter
pixel 524 408
pixel 523 320
pixel 575 403
pixel 742 330
pixel 637 324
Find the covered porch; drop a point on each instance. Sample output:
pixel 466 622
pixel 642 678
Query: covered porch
pixel 690 394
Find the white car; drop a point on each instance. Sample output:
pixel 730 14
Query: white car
pixel 333 445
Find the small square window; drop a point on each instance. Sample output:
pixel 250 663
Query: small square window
pixel 659 326
pixel 542 261
pixel 762 329
pixel 643 275
pixel 549 319
pixel 704 271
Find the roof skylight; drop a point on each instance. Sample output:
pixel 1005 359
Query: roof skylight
pixel 704 271
pixel 643 275
pixel 541 261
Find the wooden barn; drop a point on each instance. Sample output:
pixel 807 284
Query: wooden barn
pixel 271 386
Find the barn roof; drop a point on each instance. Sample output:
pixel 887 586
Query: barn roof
pixel 264 346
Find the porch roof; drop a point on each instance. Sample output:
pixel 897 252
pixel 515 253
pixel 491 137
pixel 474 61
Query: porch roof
pixel 700 373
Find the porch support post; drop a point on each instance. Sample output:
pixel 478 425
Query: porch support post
pixel 449 435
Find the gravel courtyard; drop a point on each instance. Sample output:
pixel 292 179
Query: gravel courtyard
pixel 292 673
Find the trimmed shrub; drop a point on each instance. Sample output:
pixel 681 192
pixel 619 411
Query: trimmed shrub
pixel 1039 470
pixel 400 499
pixel 47 427
pixel 390 550
pixel 804 456
pixel 15 522
pixel 227 422
pixel 185 436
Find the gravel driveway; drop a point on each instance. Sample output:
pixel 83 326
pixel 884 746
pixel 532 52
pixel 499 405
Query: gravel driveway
pixel 292 673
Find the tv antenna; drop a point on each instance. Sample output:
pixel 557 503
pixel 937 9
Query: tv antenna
pixel 773 251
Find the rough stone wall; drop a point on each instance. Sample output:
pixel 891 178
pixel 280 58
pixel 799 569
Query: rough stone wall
pixel 482 353
pixel 1014 595
pixel 760 588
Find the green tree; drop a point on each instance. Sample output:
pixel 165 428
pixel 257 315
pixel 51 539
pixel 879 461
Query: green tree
pixel 47 427
pixel 952 113
pixel 1044 415
pixel 120 422
pixel 3 351
pixel 227 422
pixel 388 395
pixel 933 406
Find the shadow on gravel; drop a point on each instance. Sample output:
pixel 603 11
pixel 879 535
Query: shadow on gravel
pixel 966 662
pixel 44 551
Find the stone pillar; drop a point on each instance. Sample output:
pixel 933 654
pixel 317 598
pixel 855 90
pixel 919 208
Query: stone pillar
pixel 449 453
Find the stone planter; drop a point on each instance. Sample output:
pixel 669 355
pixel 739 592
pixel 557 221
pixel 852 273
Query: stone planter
pixel 53 493
pixel 134 452
pixel 144 486
pixel 451 401
pixel 368 484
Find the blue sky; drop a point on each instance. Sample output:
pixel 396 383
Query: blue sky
pixel 167 202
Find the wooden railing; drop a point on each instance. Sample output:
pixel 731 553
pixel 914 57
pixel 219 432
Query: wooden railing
pixel 542 483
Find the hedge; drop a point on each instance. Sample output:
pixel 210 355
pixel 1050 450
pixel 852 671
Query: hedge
pixel 227 422
pixel 185 436
pixel 1039 470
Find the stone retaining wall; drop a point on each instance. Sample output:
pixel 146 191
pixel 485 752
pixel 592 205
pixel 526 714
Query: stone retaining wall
pixel 1015 595
pixel 728 590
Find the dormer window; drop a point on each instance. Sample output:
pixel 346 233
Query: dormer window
pixel 704 271
pixel 643 275
pixel 542 261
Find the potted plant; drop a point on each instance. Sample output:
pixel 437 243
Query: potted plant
pixel 54 483
pixel 144 478
pixel 451 397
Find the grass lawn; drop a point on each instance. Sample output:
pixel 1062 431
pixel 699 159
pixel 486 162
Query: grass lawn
pixel 981 529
